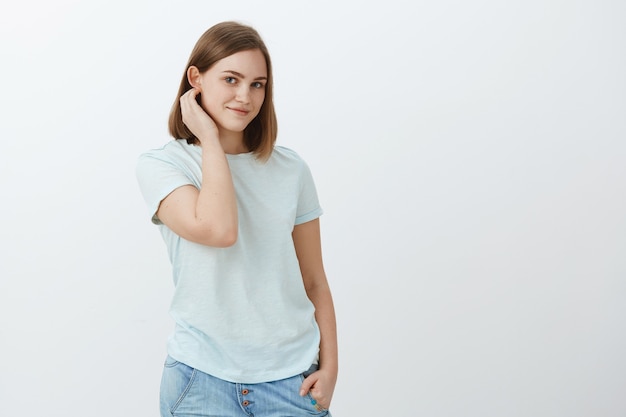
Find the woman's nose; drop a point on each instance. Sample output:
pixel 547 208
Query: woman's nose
pixel 243 94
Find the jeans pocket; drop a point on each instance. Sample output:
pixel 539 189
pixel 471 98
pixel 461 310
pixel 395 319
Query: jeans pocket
pixel 313 404
pixel 170 362
pixel 176 381
pixel 312 369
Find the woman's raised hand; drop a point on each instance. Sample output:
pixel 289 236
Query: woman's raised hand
pixel 195 118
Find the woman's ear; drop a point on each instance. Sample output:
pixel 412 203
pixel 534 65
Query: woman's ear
pixel 194 76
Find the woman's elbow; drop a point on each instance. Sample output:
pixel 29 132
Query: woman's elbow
pixel 220 238
pixel 227 238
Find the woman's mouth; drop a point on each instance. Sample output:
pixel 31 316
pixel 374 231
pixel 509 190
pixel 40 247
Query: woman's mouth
pixel 240 112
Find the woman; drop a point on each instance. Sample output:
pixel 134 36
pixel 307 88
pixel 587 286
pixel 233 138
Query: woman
pixel 255 330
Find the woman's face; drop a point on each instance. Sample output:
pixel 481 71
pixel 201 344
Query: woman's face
pixel 233 90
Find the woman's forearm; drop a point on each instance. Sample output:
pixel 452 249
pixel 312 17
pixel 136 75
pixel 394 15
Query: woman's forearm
pixel 216 208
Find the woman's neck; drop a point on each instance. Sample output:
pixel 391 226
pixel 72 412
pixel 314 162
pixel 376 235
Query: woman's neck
pixel 232 142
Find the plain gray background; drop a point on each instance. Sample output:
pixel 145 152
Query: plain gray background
pixel 470 157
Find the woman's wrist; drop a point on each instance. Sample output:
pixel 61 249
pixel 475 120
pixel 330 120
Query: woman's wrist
pixel 210 142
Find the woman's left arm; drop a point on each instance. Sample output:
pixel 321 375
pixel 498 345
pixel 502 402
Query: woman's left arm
pixel 307 241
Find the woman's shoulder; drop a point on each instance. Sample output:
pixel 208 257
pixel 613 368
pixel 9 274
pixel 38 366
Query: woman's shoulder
pixel 286 153
pixel 290 162
pixel 171 150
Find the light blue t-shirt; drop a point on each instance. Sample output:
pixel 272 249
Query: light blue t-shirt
pixel 241 313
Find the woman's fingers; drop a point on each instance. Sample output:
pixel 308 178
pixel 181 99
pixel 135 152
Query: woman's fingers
pixel 194 116
pixel 186 102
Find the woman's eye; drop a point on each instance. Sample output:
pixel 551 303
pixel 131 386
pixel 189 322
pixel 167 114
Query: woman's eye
pixel 230 80
pixel 257 85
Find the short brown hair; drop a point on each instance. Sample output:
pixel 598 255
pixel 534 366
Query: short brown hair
pixel 218 42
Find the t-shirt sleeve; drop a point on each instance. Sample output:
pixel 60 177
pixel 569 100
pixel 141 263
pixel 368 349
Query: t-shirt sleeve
pixel 308 203
pixel 158 177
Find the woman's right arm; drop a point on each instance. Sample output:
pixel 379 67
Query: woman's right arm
pixel 207 216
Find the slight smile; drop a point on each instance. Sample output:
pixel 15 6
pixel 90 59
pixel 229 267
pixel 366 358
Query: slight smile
pixel 240 112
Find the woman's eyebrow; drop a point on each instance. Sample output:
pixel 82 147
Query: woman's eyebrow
pixel 237 74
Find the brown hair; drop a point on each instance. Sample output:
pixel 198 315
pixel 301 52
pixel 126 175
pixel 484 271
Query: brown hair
pixel 218 42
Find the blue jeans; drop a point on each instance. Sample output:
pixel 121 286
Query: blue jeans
pixel 188 392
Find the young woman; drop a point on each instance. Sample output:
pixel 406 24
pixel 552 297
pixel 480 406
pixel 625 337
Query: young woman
pixel 255 330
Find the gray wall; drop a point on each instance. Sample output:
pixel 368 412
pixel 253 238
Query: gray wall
pixel 470 158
